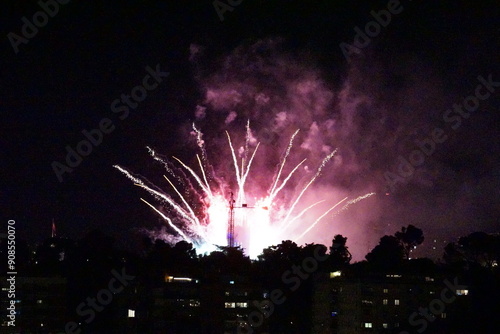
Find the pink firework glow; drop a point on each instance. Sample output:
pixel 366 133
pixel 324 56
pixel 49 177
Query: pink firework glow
pixel 196 206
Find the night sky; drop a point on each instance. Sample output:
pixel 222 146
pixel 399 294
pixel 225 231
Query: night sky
pixel 373 107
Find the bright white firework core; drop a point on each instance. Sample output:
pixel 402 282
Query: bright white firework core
pixel 258 224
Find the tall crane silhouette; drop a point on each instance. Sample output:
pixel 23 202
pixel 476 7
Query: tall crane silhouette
pixel 230 226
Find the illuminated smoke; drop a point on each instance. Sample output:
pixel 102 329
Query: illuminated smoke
pixel 266 221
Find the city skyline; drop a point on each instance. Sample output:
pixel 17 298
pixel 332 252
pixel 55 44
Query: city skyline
pixel 403 90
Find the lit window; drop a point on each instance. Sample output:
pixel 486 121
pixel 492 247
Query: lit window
pixel 429 279
pixel 243 305
pixel 182 279
pixel 462 292
pixel 385 325
pixel 194 303
pixel 396 301
pixel 386 290
pixel 334 274
pixel 131 313
pixel 431 292
pixel 231 282
pixel 366 302
pixel 334 314
pixel 170 279
pixel 39 301
pixel 367 325
pixel 243 324
pixel 229 305
pixel 443 315
pixel 384 301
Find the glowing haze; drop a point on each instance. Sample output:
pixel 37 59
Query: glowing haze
pixel 266 221
pixel 270 136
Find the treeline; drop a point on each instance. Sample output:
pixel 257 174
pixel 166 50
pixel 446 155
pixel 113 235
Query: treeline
pixel 87 264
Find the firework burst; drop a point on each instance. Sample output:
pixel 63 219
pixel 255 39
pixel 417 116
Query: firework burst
pixel 196 208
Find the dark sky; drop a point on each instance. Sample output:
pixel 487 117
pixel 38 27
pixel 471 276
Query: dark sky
pixel 394 92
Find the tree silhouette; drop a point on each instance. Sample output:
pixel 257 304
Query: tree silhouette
pixel 409 237
pixel 389 253
pixel 477 248
pixel 286 253
pixel 339 254
pixel 225 261
pixel 282 267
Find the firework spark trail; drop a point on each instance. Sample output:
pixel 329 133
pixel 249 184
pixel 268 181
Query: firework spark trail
pixel 196 177
pixel 188 207
pixel 144 182
pixel 356 200
pixel 157 194
pixel 211 229
pixel 240 175
pixel 167 199
pixel 200 142
pixel 236 169
pixel 319 218
pixel 273 195
pixel 247 142
pixel 287 152
pixel 169 221
pixel 166 165
pixel 201 145
pixel 235 160
pixel 203 173
pixel 244 178
pixel 320 168
pixel 300 214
